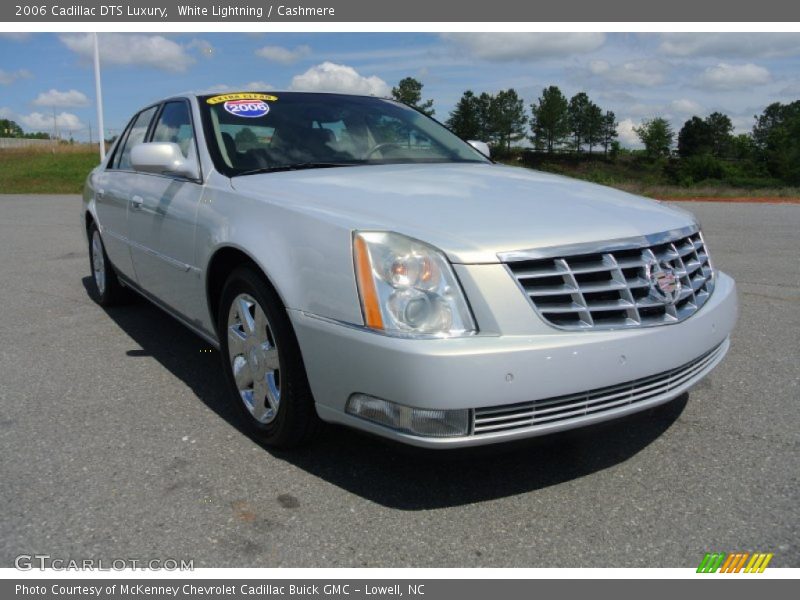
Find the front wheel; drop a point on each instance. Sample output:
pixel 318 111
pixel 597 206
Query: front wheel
pixel 107 288
pixel 262 362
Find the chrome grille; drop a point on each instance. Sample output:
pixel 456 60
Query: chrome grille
pixel 562 408
pixel 615 289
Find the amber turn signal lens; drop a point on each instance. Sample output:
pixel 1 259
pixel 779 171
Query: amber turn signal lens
pixel 366 284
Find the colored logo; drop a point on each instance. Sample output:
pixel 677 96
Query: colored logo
pixel 247 108
pixel 665 285
pixel 241 96
pixel 735 562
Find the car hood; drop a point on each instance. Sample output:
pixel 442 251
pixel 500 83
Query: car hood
pixel 472 212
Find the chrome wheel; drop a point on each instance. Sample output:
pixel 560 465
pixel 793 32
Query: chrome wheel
pixel 253 357
pixel 98 263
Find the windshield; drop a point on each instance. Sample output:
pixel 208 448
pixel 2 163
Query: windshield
pixel 255 132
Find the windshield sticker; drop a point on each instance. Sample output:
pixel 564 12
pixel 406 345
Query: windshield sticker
pixel 247 108
pixel 241 96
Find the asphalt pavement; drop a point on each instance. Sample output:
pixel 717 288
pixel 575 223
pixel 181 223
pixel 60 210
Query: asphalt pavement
pixel 117 440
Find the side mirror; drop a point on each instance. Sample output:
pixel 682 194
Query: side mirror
pixel 481 147
pixel 163 158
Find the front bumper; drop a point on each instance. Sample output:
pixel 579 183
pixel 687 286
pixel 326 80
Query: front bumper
pixel 487 371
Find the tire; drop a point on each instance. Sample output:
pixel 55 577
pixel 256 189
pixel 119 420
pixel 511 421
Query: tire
pixel 108 291
pixel 263 364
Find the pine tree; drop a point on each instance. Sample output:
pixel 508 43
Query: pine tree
pixel 409 92
pixel 465 119
pixel 576 112
pixel 549 119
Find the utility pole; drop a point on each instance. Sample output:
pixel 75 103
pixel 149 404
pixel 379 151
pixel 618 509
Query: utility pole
pixel 99 99
pixel 55 131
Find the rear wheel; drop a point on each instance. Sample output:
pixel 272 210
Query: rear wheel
pixel 262 362
pixel 107 288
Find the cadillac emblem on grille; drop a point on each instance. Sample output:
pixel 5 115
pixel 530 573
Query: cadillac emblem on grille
pixel 665 285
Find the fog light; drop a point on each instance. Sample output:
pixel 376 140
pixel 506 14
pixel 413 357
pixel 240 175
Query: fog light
pixel 416 421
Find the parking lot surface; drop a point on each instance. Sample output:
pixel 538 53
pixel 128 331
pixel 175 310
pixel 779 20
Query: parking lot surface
pixel 117 441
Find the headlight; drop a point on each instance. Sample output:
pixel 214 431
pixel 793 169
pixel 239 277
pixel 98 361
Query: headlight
pixel 408 288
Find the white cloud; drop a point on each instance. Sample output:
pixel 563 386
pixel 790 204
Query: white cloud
pixel 204 47
pixel 9 77
pixel 598 67
pixel 643 109
pixel 58 99
pixel 282 55
pixel 733 45
pixel 254 86
pixel 65 121
pixel 791 90
pixel 525 46
pixel 644 72
pixel 6 113
pixel 742 123
pixel 616 97
pixel 684 106
pixel 678 109
pixel 627 136
pixel 725 76
pixel 330 77
pixel 154 51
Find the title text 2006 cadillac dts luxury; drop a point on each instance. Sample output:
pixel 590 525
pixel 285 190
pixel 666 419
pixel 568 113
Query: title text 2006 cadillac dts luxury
pixel 357 263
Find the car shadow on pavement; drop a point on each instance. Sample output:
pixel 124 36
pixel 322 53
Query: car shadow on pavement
pixel 390 474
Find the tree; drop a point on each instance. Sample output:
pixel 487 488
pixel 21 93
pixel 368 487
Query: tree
pixel 773 119
pixel 609 132
pixel 507 117
pixel 694 138
pixel 549 119
pixel 712 135
pixel 576 114
pixel 488 131
pixel 409 91
pixel 9 128
pixel 720 130
pixel 473 118
pixel 657 137
pixel 776 136
pixel 743 147
pixel 593 131
pixel 465 119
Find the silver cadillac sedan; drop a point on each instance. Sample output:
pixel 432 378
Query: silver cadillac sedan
pixel 357 263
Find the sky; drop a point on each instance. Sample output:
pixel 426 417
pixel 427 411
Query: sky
pixel 47 77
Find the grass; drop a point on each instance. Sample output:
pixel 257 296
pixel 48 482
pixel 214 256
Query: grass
pixel 644 180
pixel 707 191
pixel 42 170
pixel 62 169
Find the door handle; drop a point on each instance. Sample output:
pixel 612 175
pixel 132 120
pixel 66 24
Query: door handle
pixel 99 193
pixel 136 203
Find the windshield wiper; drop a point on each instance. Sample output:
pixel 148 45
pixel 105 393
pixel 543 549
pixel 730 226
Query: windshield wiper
pixel 297 167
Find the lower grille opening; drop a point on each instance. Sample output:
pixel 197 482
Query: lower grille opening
pixel 494 419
